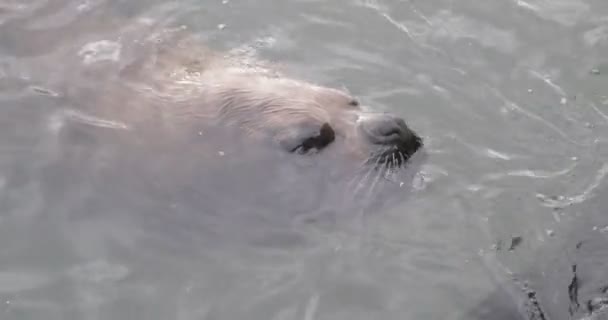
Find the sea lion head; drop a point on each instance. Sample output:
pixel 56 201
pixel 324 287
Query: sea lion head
pixel 308 119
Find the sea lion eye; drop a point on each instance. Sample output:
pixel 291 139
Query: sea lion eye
pixel 353 103
pixel 325 136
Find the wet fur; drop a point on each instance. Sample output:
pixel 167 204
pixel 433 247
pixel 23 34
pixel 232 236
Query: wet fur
pixel 172 90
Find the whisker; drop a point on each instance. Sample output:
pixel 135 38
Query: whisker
pixel 362 180
pixel 394 166
pixel 354 183
pixel 355 176
pixel 366 176
pixel 349 187
pixel 386 163
pixel 375 182
pixel 391 172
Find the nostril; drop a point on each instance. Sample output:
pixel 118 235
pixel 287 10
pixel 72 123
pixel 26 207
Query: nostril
pixel 385 129
pixel 395 141
pixel 391 131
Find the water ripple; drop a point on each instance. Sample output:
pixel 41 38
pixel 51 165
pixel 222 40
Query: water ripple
pixel 515 107
pixel 565 201
pixel 57 120
pixel 564 12
pixel 536 174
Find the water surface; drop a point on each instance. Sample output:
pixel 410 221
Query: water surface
pixel 506 220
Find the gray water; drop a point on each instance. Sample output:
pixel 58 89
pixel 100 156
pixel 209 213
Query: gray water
pixel 510 96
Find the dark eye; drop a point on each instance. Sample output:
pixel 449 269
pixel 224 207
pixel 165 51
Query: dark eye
pixel 353 103
pixel 325 136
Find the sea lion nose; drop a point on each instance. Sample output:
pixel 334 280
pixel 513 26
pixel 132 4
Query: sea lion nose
pixel 389 130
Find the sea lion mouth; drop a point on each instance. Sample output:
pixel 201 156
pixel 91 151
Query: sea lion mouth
pixel 395 156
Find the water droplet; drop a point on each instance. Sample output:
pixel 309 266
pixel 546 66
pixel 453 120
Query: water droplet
pixel 563 101
pixel 221 153
pixel 530 90
pixel 221 26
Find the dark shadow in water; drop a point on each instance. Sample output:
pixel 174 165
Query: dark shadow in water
pixel 572 286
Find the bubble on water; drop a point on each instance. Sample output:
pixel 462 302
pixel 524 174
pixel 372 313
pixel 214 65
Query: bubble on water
pixel 474 187
pixel 420 181
pixel 563 101
pixel 595 71
pixel 103 50
pixel 221 26
pixel 146 21
pixel 83 6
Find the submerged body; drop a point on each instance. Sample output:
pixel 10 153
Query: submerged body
pixel 243 136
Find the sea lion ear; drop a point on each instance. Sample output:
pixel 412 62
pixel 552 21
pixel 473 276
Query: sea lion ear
pixel 305 138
